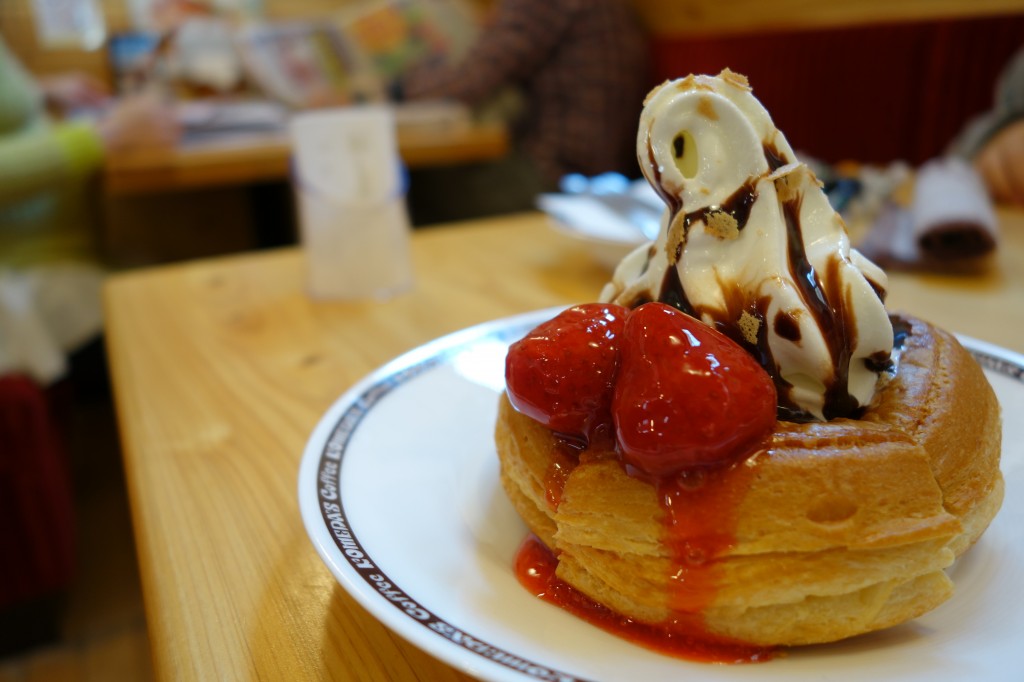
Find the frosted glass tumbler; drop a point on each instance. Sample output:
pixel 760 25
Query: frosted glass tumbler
pixel 350 196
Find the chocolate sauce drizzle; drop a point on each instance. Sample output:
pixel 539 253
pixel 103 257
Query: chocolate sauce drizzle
pixel 773 156
pixel 675 204
pixel 738 205
pixel 786 326
pixel 889 362
pixel 835 317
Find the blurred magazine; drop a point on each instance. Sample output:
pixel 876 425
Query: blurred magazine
pixel 130 55
pixel 210 121
pixel 393 35
pixel 161 16
pixel 306 64
pixel 69 24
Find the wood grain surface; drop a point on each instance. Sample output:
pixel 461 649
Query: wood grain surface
pixel 223 367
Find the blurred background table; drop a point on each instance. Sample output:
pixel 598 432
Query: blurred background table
pixel 238 159
pixel 223 367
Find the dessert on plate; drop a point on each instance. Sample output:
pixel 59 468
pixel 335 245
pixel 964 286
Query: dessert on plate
pixel 738 447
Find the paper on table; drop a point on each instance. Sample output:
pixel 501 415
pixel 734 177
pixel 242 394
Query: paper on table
pixel 953 216
pixel 351 199
pixel 950 223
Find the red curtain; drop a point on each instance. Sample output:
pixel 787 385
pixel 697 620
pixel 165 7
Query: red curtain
pixel 873 93
pixel 37 533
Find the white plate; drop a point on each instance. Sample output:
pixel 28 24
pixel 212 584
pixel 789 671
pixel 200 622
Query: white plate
pixel 608 252
pixel 609 231
pixel 400 495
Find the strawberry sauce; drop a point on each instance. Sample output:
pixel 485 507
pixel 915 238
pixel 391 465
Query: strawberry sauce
pixel 683 409
pixel 682 636
pixel 700 516
pixel 562 464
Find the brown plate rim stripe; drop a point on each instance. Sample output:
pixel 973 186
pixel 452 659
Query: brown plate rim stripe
pixel 332 510
pixel 345 539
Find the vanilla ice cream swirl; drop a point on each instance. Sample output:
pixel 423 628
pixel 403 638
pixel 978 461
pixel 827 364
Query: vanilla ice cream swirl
pixel 750 245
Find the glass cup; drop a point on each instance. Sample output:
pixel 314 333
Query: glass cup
pixel 350 196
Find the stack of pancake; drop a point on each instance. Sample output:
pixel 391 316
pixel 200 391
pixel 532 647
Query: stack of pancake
pixel 835 529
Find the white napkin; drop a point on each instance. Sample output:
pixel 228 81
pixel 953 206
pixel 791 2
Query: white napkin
pixel 45 313
pixel 953 215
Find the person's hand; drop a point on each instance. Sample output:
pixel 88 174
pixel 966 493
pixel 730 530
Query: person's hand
pixel 142 120
pixel 1001 164
pixel 71 91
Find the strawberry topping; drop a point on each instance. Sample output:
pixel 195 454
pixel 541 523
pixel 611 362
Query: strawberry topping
pixel 686 395
pixel 679 394
pixel 562 373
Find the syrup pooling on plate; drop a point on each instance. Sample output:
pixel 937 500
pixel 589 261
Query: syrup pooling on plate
pixel 750 245
pixel 682 636
pixel 699 515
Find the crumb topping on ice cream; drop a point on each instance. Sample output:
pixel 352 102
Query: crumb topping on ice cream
pixel 750 245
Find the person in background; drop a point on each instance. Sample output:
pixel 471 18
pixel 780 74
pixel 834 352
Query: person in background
pixel 994 141
pixel 51 350
pixel 50 272
pixel 582 69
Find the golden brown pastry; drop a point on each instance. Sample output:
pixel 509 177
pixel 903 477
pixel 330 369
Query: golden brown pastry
pixel 747 446
pixel 835 529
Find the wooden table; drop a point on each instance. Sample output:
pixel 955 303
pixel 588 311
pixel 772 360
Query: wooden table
pixel 223 367
pixel 242 159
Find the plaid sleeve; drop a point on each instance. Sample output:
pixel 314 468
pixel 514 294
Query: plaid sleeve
pixel 514 45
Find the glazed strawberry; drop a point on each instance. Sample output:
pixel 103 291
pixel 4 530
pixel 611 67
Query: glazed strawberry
pixel 562 373
pixel 686 395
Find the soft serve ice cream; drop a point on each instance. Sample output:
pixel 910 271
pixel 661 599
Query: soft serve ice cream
pixel 750 245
